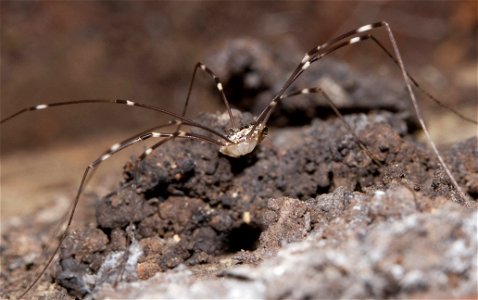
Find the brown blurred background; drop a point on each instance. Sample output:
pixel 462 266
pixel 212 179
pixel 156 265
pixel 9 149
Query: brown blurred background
pixel 56 51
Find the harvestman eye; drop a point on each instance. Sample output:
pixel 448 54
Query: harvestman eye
pixel 239 141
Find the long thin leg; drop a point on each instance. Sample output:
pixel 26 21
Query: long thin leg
pixel 150 150
pixel 340 42
pixel 410 77
pixel 121 102
pixel 314 55
pixel 89 101
pixel 344 40
pixel 219 87
pixel 318 90
pixel 419 115
pixel 415 83
pixel 93 165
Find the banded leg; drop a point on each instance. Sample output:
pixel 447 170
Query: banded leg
pixel 150 150
pixel 315 54
pixel 396 62
pixel 86 101
pixel 318 90
pixel 412 79
pixel 104 156
pixel 352 37
pixel 219 88
pixel 177 117
pixel 362 146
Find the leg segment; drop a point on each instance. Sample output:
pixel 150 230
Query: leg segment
pixel 93 165
pixel 352 37
pixel 339 114
pixel 219 88
pixel 178 119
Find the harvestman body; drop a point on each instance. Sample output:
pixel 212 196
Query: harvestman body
pixel 240 141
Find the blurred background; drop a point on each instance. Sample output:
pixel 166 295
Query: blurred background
pixel 145 51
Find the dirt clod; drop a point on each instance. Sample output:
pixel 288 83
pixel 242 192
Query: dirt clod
pixel 334 188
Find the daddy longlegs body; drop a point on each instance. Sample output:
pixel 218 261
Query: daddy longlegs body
pixel 237 141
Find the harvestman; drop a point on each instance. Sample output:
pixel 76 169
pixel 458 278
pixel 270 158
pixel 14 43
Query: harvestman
pixel 241 141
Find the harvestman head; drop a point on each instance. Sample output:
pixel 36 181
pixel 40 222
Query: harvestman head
pixel 240 141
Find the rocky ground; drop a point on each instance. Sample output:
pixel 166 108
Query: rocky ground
pixel 307 215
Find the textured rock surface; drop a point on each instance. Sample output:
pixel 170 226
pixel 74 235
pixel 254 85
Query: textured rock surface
pixel 193 207
pixel 401 257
